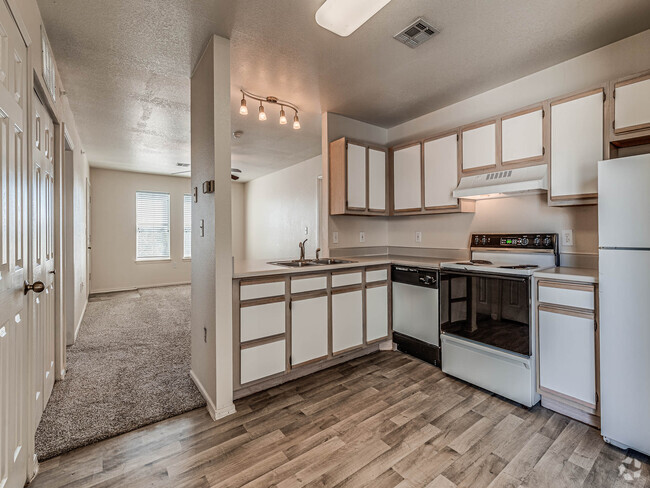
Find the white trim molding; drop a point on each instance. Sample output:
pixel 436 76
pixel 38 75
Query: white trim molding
pixel 215 413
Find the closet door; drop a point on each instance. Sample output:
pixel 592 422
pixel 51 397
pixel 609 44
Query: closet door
pixel 440 172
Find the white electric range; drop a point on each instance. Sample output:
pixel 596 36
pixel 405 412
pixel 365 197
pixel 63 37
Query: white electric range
pixel 487 318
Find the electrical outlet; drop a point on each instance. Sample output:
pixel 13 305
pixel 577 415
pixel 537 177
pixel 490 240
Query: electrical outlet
pixel 567 238
pixel 335 237
pixel 362 236
pixel 418 237
pixel 306 230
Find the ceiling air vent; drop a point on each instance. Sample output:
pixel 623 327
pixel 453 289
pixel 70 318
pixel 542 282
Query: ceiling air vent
pixel 416 33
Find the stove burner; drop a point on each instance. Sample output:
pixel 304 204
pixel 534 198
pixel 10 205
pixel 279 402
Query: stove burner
pixel 520 266
pixel 475 262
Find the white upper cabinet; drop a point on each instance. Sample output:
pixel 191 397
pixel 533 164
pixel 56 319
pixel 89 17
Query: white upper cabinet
pixel 479 146
pixel 522 137
pixel 440 172
pixel 356 172
pixel 407 178
pixel 576 145
pixel 632 105
pixel 376 180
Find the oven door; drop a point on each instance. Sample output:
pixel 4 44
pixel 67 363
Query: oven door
pixel 490 309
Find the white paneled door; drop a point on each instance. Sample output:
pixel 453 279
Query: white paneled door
pixel 42 242
pixel 14 320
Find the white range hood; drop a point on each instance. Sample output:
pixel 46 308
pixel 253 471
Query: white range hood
pixel 506 183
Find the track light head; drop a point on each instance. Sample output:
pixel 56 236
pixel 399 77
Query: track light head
pixel 243 109
pixel 283 116
pixel 262 115
pixel 296 122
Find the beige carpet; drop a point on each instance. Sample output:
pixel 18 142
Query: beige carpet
pixel 129 368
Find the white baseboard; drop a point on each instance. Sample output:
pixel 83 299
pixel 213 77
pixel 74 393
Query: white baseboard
pixel 215 413
pixel 131 288
pixel 81 319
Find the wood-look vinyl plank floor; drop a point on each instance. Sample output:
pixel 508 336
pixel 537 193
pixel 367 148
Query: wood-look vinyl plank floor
pixel 383 421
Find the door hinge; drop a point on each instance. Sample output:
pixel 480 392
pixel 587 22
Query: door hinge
pixel 614 94
pixel 597 398
pixel 604 96
pixel 613 125
pixel 290 304
pixel 457 137
pixel 543 150
pixel 543 113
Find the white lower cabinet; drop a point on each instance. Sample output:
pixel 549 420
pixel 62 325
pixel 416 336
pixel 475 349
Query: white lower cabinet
pixel 308 329
pixel 567 354
pixel 261 361
pixel 347 320
pixel 376 312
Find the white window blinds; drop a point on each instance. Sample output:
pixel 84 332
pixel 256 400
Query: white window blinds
pixel 187 226
pixel 152 225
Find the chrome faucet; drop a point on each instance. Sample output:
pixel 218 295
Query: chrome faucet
pixel 317 252
pixel 302 250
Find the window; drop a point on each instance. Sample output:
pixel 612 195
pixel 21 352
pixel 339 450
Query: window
pixel 187 226
pixel 152 225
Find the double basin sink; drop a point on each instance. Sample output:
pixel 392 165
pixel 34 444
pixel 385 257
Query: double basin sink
pixel 300 263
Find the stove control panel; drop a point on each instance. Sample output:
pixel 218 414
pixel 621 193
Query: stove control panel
pixel 515 241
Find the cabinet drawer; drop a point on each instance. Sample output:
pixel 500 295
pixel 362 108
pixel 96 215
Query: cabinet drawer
pixel 376 275
pixel 567 295
pixel 262 361
pixel 346 279
pixel 261 290
pixel 308 284
pixel 258 321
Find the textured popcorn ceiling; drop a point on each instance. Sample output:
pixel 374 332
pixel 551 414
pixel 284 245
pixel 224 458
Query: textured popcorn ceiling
pixel 126 66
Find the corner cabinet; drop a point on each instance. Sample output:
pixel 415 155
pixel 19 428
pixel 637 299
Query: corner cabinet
pixel 567 349
pixel 577 144
pixel 358 176
pixel 297 323
pixel 629 110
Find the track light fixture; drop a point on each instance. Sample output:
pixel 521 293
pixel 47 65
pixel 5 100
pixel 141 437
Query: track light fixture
pixel 243 110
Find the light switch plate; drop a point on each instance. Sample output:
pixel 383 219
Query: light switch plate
pixel 335 237
pixel 362 236
pixel 418 236
pixel 567 238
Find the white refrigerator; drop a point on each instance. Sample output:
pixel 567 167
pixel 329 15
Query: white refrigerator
pixel 624 283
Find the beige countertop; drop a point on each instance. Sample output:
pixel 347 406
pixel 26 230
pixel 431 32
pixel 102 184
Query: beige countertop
pixel 247 269
pixel 563 273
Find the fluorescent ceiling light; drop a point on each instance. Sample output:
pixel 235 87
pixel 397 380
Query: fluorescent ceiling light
pixel 343 17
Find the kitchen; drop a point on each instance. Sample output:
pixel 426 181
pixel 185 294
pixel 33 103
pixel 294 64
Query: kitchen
pixel 415 236
pixel 509 300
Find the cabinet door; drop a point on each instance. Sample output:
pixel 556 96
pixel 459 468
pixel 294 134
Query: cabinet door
pixel 376 312
pixel 356 172
pixel 376 180
pixel 407 178
pixel 576 145
pixel 347 320
pixel 522 137
pixel 308 329
pixel 632 105
pixel 479 146
pixel 261 361
pixel 440 172
pixel 567 355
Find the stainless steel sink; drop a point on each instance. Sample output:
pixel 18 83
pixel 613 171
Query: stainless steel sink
pixel 326 261
pixel 297 263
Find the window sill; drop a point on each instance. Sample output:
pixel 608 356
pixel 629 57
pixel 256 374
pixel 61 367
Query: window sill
pixel 156 260
pixel 187 259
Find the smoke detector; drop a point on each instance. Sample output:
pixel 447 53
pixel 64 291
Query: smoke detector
pixel 416 33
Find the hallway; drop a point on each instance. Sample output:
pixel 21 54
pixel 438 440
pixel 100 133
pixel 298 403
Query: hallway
pixel 128 368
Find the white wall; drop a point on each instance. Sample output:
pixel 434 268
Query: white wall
pixel 278 208
pixel 113 232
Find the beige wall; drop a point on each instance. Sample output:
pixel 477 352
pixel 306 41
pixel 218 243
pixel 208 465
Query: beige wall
pixel 517 214
pixel 113 231
pixel 237 199
pixel 279 207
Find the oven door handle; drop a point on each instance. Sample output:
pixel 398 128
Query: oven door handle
pixel 483 275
